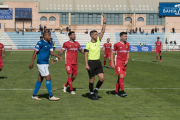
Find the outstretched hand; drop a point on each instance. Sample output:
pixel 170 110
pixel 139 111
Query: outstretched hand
pixel 104 19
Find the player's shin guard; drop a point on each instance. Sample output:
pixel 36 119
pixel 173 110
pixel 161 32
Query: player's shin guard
pixel 121 83
pixel 109 63
pixel 70 84
pixel 98 85
pixel 104 63
pixel 49 87
pixel 37 87
pixel 117 86
pixel 157 58
pixel 91 88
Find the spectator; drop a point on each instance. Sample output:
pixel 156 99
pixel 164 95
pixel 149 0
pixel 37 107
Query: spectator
pixel 127 31
pixel 31 28
pixel 61 30
pixel 41 37
pixel 173 30
pixel 17 30
pixel 152 31
pixel 164 29
pixel 143 32
pixel 44 28
pixel 136 29
pixel 130 31
pixel 69 28
pixel 158 30
pixel 147 33
pixel 155 29
pixel 175 42
pixel 54 46
pixel 140 44
pixel 140 29
pixel 86 31
pixel 40 27
pixel 133 30
pixel 170 42
pixel 143 45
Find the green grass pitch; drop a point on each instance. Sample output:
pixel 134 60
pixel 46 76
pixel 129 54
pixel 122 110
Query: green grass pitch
pixel 153 90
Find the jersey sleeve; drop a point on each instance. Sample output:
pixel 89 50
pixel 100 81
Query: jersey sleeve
pixel 114 48
pixel 64 46
pixel 79 47
pixel 155 43
pixel 87 46
pixel 98 40
pixel 38 46
pixel 128 48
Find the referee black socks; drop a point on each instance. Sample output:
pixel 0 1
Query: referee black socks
pixel 91 88
pixel 98 85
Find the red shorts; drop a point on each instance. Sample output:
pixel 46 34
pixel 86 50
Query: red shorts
pixel 1 63
pixel 107 55
pixel 120 70
pixel 72 68
pixel 158 51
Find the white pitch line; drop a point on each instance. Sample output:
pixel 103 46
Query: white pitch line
pixel 12 52
pixel 14 89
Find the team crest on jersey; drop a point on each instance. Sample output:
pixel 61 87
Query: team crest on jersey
pixel 126 46
pixel 75 44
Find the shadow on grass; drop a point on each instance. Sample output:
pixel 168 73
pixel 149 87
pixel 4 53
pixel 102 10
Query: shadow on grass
pixel 113 93
pixel 3 77
pixel 88 95
pixel 154 61
pixel 44 96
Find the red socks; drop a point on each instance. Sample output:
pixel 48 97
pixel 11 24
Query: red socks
pixel 117 86
pixel 157 58
pixel 104 63
pixel 121 83
pixel 109 63
pixel 70 83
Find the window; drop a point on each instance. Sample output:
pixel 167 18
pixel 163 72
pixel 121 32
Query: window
pixel 52 19
pixel 85 18
pixel 154 19
pixel 64 18
pixel 43 19
pixel 128 19
pixel 114 19
pixel 140 19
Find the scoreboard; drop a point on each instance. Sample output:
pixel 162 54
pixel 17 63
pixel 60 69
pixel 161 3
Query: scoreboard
pixel 23 13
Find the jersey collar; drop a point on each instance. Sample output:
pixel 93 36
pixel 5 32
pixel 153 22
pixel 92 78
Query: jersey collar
pixel 71 41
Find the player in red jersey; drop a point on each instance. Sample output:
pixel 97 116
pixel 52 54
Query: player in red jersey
pixel 158 48
pixel 1 51
pixel 71 48
pixel 121 49
pixel 107 52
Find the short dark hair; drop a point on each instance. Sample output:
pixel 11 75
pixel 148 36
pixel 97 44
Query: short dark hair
pixel 45 33
pixel 52 38
pixel 93 31
pixel 41 36
pixel 122 33
pixel 108 38
pixel 70 33
pixel 158 38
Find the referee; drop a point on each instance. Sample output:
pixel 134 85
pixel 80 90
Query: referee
pixel 92 60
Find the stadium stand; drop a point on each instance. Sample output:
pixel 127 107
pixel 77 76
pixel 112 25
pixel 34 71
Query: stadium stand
pixel 29 39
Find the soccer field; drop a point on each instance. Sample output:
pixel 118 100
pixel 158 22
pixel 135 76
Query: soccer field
pixel 153 90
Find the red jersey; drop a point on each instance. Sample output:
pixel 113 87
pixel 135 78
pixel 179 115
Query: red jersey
pixel 71 52
pixel 1 47
pixel 107 47
pixel 121 51
pixel 158 45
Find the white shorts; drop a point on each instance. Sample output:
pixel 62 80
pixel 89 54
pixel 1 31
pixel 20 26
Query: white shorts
pixel 43 69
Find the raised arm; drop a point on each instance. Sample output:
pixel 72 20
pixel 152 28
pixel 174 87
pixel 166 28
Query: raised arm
pixel 103 27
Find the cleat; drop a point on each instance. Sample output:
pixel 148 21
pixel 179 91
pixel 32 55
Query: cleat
pixel 96 96
pixel 93 97
pixel 117 95
pixel 35 98
pixel 104 67
pixel 123 94
pixel 109 67
pixel 65 88
pixel 53 98
pixel 73 93
pixel 160 60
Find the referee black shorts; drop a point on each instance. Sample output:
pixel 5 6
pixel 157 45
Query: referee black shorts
pixel 95 68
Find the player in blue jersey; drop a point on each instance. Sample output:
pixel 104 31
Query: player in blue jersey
pixel 43 49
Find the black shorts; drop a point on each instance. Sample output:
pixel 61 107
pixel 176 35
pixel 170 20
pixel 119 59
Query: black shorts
pixel 95 68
